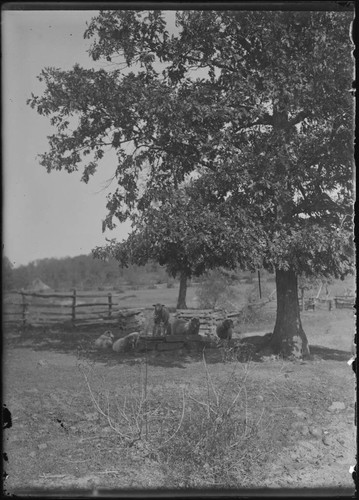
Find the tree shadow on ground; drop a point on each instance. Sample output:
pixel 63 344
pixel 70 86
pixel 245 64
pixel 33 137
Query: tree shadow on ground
pixel 80 343
pixel 317 351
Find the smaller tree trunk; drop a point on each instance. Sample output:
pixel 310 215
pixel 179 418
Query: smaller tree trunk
pixel 181 302
pixel 288 336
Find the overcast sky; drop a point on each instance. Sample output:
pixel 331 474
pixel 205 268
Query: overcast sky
pixel 44 215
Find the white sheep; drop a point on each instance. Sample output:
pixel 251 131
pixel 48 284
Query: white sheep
pixel 126 343
pixel 105 340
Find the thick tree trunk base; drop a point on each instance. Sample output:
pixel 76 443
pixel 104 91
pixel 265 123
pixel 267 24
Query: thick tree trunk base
pixel 288 339
pixel 290 346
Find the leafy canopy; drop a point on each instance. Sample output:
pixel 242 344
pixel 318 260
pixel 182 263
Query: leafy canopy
pixel 251 109
pixel 186 237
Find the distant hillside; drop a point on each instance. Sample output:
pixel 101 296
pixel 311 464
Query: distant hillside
pixel 82 272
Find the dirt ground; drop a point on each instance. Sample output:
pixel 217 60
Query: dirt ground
pixel 57 439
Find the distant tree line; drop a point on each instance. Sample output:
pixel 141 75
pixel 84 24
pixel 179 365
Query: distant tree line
pixel 81 272
pixel 85 272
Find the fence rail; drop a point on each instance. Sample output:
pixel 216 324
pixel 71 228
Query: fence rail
pixel 344 302
pixel 35 308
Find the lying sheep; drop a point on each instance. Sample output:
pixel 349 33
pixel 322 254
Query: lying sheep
pixel 225 329
pixel 126 343
pixel 105 340
pixel 182 327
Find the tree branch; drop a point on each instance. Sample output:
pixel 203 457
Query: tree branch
pixel 298 118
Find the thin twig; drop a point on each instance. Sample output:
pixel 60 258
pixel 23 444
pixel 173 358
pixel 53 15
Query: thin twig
pixel 234 401
pixel 74 461
pixel 146 417
pixel 99 409
pixel 246 414
pixel 242 386
pixel 90 438
pixel 210 380
pixel 260 418
pixel 52 475
pixel 124 416
pixel 203 404
pixel 179 426
pixel 108 472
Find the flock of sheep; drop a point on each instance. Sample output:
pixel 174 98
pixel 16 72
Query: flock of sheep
pixel 163 326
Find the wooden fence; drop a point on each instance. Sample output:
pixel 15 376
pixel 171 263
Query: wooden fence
pixel 338 302
pixel 87 308
pixel 76 308
pixel 208 318
pixel 344 302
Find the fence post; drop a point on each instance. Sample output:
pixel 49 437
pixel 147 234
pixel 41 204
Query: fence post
pixel 74 306
pixel 24 309
pixel 109 304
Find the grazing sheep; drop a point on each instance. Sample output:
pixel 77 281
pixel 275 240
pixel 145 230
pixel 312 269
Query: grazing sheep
pixel 161 319
pixel 126 343
pixel 182 327
pixel 105 340
pixel 225 329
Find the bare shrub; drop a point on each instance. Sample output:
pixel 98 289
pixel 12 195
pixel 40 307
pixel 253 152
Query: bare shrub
pixel 201 437
pixel 209 448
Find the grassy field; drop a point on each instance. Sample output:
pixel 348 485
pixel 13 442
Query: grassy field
pixel 88 419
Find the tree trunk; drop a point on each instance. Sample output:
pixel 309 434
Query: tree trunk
pixel 181 302
pixel 288 337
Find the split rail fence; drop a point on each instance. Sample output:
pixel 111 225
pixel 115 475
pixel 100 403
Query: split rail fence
pixel 208 318
pixel 76 308
pixel 87 308
pixel 338 302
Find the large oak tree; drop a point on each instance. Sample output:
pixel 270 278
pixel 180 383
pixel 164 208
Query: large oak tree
pixel 253 107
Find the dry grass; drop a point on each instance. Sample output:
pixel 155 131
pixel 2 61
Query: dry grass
pixel 173 421
pixel 200 435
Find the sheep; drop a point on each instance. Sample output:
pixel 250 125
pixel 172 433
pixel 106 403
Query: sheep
pixel 126 343
pixel 182 327
pixel 225 329
pixel 161 319
pixel 105 340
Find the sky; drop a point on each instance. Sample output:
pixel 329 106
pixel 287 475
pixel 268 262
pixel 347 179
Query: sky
pixel 44 215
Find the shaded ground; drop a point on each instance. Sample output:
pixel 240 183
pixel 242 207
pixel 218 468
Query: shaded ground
pixel 303 412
